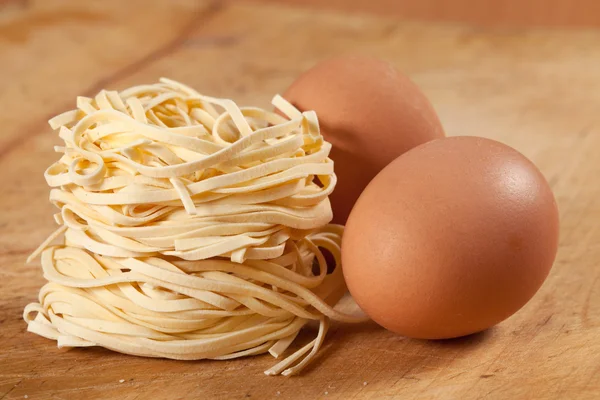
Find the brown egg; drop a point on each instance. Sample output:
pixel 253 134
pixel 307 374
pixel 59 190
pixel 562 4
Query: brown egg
pixel 371 114
pixel 451 238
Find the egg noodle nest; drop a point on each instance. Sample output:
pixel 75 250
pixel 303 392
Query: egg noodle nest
pixel 190 228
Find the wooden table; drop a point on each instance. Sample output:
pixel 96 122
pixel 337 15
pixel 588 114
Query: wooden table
pixel 536 90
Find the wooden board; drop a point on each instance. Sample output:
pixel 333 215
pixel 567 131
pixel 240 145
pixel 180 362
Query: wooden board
pixel 515 13
pixel 536 90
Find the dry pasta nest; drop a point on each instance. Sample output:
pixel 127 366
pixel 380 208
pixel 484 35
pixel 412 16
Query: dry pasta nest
pixel 190 228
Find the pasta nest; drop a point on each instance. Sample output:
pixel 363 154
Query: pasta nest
pixel 190 228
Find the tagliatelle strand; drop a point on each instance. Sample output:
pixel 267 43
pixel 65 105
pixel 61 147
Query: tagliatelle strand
pixel 193 228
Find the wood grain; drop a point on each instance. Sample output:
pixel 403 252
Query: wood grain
pixel 536 90
pixel 505 13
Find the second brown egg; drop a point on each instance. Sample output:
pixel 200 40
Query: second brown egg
pixel 370 112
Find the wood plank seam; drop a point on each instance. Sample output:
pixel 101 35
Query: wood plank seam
pixel 199 18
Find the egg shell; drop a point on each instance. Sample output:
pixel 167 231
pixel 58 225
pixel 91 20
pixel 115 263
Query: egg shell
pixel 370 113
pixel 451 238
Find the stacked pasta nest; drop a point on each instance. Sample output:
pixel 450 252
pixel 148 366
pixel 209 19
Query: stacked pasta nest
pixel 190 228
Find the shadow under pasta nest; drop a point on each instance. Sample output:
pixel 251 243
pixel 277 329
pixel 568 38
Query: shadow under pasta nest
pixel 341 339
